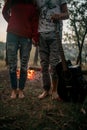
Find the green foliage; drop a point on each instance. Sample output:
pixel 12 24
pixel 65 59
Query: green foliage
pixel 78 15
pixel 78 23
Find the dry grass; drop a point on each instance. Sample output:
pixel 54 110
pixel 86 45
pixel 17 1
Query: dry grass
pixel 33 114
pixel 2 64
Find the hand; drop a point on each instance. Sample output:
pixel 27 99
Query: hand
pixel 55 17
pixel 34 43
pixel 61 16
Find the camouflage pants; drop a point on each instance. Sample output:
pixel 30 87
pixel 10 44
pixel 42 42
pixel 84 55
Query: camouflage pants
pixel 15 43
pixel 49 56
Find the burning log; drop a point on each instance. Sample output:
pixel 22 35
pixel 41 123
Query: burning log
pixel 35 68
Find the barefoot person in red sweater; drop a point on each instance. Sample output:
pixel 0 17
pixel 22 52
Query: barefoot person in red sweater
pixel 22 19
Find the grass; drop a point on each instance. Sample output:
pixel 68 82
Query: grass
pixel 33 114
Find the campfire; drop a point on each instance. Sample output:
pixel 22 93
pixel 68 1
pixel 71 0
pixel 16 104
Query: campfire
pixel 31 72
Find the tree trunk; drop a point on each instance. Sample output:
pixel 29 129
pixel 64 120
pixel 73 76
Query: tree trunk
pixel 36 57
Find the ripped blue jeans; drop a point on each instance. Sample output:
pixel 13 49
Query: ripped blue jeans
pixel 13 44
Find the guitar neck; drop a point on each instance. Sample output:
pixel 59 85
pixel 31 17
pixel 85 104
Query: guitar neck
pixel 62 57
pixel 64 65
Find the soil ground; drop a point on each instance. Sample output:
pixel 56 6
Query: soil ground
pixel 31 113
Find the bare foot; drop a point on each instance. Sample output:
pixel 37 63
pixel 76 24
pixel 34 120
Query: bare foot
pixel 13 94
pixel 21 94
pixel 43 95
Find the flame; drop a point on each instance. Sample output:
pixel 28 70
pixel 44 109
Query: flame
pixel 18 73
pixel 30 74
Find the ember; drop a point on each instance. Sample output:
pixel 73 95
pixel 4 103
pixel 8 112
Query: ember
pixel 30 74
pixel 18 73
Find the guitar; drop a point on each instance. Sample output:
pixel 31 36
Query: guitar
pixel 69 87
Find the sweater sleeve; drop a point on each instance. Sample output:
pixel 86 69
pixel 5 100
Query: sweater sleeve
pixel 6 11
pixel 35 21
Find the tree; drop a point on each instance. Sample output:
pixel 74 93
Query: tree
pixel 1 3
pixel 78 24
pixel 35 62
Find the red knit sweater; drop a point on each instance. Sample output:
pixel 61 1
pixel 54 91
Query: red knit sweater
pixel 22 20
